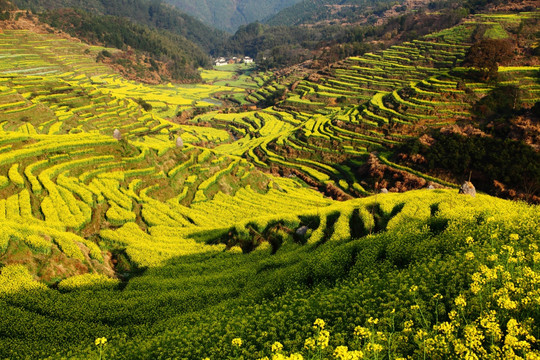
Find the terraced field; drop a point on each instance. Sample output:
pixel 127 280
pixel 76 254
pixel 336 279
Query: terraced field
pixel 72 180
pixel 85 167
pixel 104 188
pixel 373 103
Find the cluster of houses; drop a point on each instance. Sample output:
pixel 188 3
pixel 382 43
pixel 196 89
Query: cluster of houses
pixel 234 60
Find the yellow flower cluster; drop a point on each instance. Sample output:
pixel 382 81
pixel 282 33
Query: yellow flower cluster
pixel 237 342
pixel 101 341
pixel 318 324
pixel 277 347
pixel 460 301
pixel 362 332
pixel 323 338
pixel 279 356
pixel 309 344
pixel 343 353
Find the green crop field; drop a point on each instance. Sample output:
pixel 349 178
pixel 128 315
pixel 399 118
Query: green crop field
pixel 232 219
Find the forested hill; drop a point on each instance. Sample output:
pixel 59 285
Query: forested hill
pixel 168 56
pixel 316 11
pixel 151 13
pixel 230 14
pixel 373 11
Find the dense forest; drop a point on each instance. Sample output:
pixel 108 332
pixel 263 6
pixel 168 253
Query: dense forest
pixel 152 13
pixel 314 11
pixel 365 11
pixel 180 57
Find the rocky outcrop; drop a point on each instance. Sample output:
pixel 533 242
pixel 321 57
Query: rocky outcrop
pixel 468 189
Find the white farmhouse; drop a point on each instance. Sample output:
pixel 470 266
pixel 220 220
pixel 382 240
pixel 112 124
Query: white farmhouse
pixel 220 61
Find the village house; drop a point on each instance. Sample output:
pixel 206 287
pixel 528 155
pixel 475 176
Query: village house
pixel 221 61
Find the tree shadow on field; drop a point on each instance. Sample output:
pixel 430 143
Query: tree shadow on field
pixel 381 218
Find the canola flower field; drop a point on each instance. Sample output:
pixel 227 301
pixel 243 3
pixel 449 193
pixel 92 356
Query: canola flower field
pixel 126 235
pixel 428 274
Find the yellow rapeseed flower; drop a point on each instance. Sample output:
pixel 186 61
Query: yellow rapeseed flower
pixel 375 347
pixel 373 321
pixel 469 255
pixel 361 332
pixel 355 355
pixel 101 341
pixel 489 322
pixel 319 323
pixel 322 339
pixel 341 352
pixel 407 326
pixel 469 240
pixel 532 356
pixel 277 347
pixel 473 337
pixel 237 342
pixel 296 356
pixel 420 335
pixel 503 299
pixel 413 289
pixel 493 257
pixel 476 287
pixel 514 237
pixel 446 327
pixel 459 347
pixel 460 301
pixel 309 344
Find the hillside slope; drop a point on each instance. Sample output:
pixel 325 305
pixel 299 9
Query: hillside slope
pixel 152 13
pixel 168 57
pixel 426 265
pixel 374 121
pixel 348 12
pixel 375 12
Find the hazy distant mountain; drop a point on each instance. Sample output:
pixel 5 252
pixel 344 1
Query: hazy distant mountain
pixel 230 14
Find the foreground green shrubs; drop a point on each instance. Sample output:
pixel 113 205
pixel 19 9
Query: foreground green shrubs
pixel 435 275
pixel 493 319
